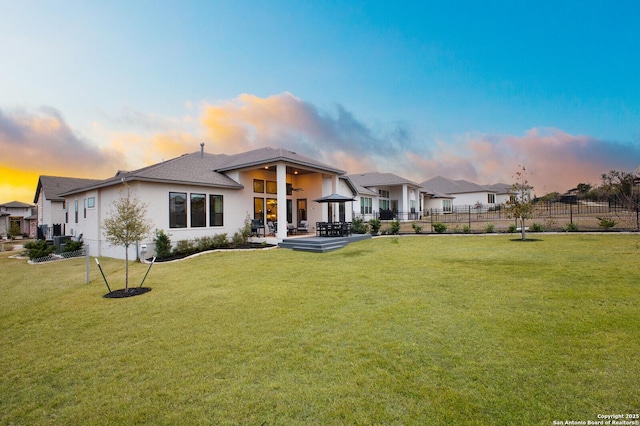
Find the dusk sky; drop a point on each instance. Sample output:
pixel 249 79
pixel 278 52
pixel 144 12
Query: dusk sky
pixel 463 89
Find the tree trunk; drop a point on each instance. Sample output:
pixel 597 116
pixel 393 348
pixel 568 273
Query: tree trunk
pixel 522 228
pixel 126 268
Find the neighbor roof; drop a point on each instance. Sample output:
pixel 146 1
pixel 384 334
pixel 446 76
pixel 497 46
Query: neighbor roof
pixel 363 181
pixel 448 186
pixel 500 188
pixel 53 186
pixel 16 205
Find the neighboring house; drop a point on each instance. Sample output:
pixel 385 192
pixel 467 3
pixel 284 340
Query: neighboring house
pixel 504 192
pixel 52 208
pixel 16 213
pixel 386 196
pixel 465 194
pixel 201 194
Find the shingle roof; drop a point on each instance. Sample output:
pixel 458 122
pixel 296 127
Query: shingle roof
pixel 363 181
pixel 500 188
pixel 270 155
pixel 194 169
pixel 448 186
pixel 53 186
pixel 16 205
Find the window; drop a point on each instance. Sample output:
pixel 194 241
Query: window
pixel 66 212
pixel 258 209
pixel 85 208
pixel 91 202
pixel 384 204
pixel 272 187
pixel 366 205
pixel 177 210
pixel 491 198
pixel 76 210
pixel 216 210
pixel 198 211
pixel 447 206
pixel 383 193
pixel 258 185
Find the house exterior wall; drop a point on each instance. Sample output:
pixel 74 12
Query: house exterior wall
pixel 472 199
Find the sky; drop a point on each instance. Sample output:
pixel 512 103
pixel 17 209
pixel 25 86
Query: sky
pixel 461 89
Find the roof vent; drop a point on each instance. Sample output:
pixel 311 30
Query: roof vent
pixel 201 149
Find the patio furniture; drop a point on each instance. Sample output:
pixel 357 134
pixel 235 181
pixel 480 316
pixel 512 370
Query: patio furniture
pixel 303 226
pixel 256 226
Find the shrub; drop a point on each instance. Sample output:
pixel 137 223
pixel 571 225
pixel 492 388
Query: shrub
pixel 204 243
pixel 185 247
pixel 163 244
pixel 570 227
pixel 358 226
pixel 38 249
pixel 416 228
pixel 220 241
pixel 71 246
pixel 606 223
pixel 536 227
pixel 489 228
pixel 395 227
pixel 239 240
pixel 512 228
pixel 375 225
pixel 14 231
pixel 466 229
pixel 439 227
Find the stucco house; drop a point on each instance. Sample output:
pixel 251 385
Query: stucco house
pixel 386 196
pixel 19 214
pixel 52 208
pixel 464 194
pixel 206 194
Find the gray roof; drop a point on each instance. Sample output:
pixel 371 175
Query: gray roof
pixel 443 185
pixel 363 181
pixel 500 188
pixel 271 155
pixel 193 169
pixel 53 186
pixel 16 205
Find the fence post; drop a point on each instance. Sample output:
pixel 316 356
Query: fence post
pixel 86 251
pixel 571 213
pixel 431 218
pixel 469 217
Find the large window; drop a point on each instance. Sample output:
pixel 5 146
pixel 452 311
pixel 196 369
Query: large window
pixel 216 210
pixel 491 198
pixel 366 205
pixel 198 211
pixel 76 210
pixel 447 206
pixel 258 209
pixel 177 210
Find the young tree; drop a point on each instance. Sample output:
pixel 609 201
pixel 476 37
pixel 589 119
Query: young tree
pixel 623 188
pixel 126 224
pixel 520 206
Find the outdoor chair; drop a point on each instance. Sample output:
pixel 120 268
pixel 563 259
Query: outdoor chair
pixel 303 226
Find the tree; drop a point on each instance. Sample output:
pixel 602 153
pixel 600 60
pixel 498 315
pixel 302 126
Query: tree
pixel 126 224
pixel 623 188
pixel 520 206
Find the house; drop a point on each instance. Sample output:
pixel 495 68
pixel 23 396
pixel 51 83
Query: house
pixel 464 194
pixel 386 196
pixel 52 207
pixel 201 194
pixel 503 191
pixel 18 214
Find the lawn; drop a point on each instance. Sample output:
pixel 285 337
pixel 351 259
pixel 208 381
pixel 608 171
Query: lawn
pixel 407 330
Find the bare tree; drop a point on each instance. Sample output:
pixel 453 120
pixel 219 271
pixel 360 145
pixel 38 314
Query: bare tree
pixel 126 224
pixel 520 206
pixel 623 188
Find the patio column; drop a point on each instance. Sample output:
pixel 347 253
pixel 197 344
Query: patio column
pixel 405 201
pixel 281 179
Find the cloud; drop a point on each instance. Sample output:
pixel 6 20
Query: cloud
pixel 42 142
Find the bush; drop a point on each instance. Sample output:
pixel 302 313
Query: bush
pixel 606 223
pixel 163 244
pixel 489 228
pixel 358 226
pixel 71 246
pixel 38 249
pixel 14 231
pixel 220 241
pixel 239 240
pixel 416 228
pixel 536 227
pixel 512 228
pixel 395 227
pixel 466 229
pixel 570 227
pixel 374 224
pixel 204 243
pixel 185 247
pixel 439 227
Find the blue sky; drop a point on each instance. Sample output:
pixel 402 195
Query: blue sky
pixel 467 90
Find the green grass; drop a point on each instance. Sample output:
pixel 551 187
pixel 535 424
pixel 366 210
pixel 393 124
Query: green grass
pixel 404 330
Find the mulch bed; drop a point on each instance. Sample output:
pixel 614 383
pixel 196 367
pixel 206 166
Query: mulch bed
pixel 250 246
pixel 133 291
